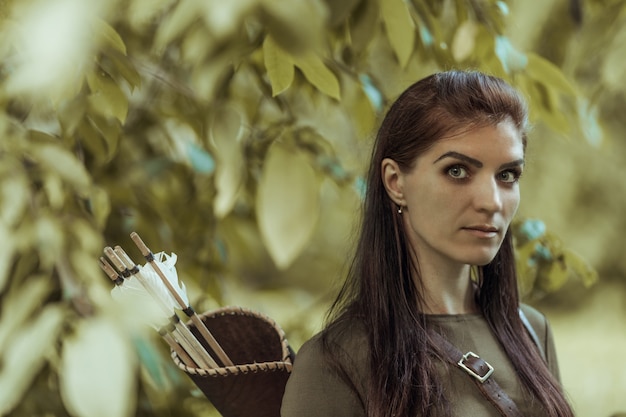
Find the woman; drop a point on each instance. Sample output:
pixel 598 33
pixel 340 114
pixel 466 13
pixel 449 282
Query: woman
pixel 434 261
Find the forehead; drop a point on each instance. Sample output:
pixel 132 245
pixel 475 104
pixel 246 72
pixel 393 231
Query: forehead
pixel 502 139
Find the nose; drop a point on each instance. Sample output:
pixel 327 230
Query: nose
pixel 488 196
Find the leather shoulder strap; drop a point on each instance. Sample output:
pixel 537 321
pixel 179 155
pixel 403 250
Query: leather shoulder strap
pixel 480 371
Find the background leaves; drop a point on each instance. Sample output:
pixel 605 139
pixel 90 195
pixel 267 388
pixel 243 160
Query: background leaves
pixel 237 134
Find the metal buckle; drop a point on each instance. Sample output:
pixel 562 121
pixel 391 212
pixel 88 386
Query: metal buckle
pixel 471 371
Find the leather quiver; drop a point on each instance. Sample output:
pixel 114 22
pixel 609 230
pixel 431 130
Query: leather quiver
pixel 262 360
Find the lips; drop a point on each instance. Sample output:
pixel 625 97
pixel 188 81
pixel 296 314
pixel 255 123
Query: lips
pixel 483 231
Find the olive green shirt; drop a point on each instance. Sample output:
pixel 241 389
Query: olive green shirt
pixel 314 390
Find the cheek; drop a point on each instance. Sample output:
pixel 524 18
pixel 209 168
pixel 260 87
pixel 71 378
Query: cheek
pixel 512 203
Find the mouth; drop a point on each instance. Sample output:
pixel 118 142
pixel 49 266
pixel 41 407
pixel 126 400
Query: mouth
pixel 483 231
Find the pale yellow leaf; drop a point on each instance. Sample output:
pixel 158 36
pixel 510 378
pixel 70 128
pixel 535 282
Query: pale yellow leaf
pixel 400 28
pixel 318 74
pixel 223 18
pixel 141 12
pixel 613 70
pixel 14 195
pixel 25 354
pixel 226 132
pixel 53 40
pixel 59 161
pixel 464 40
pixel 83 262
pixel 98 371
pixel 287 203
pixel 176 22
pixel 88 236
pixel 207 78
pixel 53 186
pixel 195 46
pixel 50 236
pixel 279 66
pixel 19 305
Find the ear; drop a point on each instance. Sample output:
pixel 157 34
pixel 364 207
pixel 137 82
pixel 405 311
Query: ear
pixel 393 179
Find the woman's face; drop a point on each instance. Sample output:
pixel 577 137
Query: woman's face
pixel 459 198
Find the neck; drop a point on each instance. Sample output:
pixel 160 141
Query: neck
pixel 447 290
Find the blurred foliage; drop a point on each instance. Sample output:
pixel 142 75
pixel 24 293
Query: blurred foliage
pixel 234 133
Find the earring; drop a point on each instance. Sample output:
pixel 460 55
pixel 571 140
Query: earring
pixel 399 209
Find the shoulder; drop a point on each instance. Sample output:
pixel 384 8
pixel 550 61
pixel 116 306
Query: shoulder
pixel 537 320
pixel 328 375
pixel 343 344
pixel 541 326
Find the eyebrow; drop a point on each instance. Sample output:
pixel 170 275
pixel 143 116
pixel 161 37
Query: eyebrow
pixel 476 162
pixel 461 157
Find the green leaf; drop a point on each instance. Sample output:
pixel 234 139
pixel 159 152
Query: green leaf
pixel 400 28
pixel 106 97
pixel 287 203
pixel 526 267
pixel 339 11
pixel 126 69
pixel 98 359
pixel 580 268
pixel 105 134
pixel 296 28
pixel 545 72
pixel 93 141
pixel 71 114
pixel 318 74
pixel 109 36
pixel 7 251
pixel 99 206
pixel 553 277
pixel 362 24
pixel 364 114
pixel 279 66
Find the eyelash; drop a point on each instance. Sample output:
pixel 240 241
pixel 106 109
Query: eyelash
pixel 517 173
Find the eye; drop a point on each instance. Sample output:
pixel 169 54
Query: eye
pixel 458 172
pixel 509 176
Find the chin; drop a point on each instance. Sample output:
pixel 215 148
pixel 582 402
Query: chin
pixel 480 259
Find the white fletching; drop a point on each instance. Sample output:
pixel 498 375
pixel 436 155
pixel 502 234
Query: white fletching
pixel 134 296
pixel 166 263
pixel 156 287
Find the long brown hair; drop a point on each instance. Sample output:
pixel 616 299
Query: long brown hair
pixel 379 291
